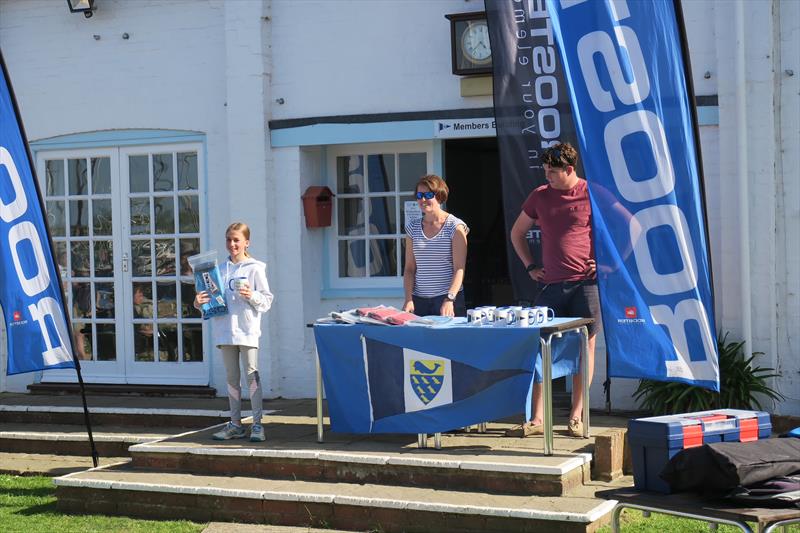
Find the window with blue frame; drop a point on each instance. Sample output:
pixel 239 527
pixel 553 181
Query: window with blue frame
pixel 373 191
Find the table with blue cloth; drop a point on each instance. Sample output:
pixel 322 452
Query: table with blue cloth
pixel 414 379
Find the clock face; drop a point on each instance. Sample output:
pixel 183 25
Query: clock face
pixel 475 43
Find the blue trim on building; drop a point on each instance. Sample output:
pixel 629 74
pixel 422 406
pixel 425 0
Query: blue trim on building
pixel 106 138
pixel 322 134
pixel 708 115
pixel 395 131
pixel 332 294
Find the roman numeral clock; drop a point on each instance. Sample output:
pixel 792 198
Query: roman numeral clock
pixel 469 44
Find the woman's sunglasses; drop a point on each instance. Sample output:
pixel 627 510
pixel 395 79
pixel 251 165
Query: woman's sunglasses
pixel 428 195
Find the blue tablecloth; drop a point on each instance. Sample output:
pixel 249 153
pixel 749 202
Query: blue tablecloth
pixel 403 379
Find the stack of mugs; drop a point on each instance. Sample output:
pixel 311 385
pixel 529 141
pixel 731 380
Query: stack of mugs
pixel 512 316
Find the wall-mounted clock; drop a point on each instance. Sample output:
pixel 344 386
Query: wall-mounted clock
pixel 469 43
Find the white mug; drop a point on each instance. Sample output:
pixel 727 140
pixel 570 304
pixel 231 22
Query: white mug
pixel 501 319
pixel 489 313
pixel 475 317
pixel 548 313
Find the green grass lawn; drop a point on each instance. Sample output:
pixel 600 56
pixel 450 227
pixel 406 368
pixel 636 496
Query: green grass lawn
pixel 28 505
pixel 632 521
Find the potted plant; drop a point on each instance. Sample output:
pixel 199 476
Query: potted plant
pixel 741 384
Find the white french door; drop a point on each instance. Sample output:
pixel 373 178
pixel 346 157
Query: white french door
pixel 123 222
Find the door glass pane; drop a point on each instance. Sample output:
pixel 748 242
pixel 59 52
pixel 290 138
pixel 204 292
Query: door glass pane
pixel 78 218
pixel 55 217
pixel 140 257
pixel 164 215
pixel 412 168
pixel 187 171
pixel 168 342
pixel 78 179
pixel 381 172
pixel 80 259
pixel 106 342
pixel 162 172
pixel 81 300
pixel 350 174
pixel 54 177
pixel 189 247
pixel 142 300
pixel 104 259
pixel 60 248
pixel 383 257
pixel 189 214
pixel 143 341
pixel 165 257
pixel 192 342
pixel 82 333
pixel 167 303
pixel 187 300
pixel 101 175
pixel 352 259
pixel 382 216
pixel 101 216
pixel 140 216
pixel 138 174
pixel 104 299
pixel 351 216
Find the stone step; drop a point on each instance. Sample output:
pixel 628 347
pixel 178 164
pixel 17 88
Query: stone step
pixel 485 462
pixel 125 490
pixel 36 464
pixel 65 439
pixel 113 416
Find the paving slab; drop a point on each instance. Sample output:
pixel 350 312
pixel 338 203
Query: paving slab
pixel 34 464
pixel 228 527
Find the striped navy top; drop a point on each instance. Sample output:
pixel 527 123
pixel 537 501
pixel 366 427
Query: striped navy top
pixel 434 257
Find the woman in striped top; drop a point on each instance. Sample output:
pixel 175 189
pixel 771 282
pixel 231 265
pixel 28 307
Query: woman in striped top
pixel 436 251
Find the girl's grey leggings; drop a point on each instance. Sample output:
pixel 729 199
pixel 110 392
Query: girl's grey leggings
pixel 249 358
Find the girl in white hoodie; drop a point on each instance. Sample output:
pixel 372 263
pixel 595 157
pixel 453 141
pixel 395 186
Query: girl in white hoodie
pixel 237 333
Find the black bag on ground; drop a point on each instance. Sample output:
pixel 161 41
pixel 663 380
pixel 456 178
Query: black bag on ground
pixel 722 466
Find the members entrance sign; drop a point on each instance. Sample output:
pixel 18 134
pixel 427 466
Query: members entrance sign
pixel 30 292
pixel 631 98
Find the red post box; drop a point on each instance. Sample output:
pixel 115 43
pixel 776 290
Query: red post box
pixel 318 206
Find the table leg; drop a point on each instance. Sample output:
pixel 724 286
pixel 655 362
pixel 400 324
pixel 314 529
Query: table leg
pixel 620 506
pixel 785 523
pixel 547 392
pixel 584 331
pixel 319 397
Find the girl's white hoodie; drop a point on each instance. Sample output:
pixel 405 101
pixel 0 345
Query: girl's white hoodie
pixel 242 325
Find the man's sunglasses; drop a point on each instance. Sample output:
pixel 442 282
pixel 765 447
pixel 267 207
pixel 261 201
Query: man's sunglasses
pixel 428 195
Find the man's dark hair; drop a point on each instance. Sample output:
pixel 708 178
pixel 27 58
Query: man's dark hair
pixel 560 155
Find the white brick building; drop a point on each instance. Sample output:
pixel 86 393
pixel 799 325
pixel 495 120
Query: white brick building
pixel 231 109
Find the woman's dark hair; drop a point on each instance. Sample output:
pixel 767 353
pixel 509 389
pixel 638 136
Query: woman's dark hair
pixel 436 185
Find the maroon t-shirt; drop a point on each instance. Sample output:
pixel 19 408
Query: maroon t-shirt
pixel 565 218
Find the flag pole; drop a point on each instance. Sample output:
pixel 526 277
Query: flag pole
pixel 67 319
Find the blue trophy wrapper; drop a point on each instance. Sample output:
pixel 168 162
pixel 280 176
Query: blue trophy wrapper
pixel 207 278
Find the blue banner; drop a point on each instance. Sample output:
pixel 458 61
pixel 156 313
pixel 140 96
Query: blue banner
pixel 633 113
pixel 403 379
pixel 30 292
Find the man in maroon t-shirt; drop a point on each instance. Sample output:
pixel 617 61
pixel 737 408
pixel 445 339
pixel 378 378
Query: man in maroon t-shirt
pixel 563 213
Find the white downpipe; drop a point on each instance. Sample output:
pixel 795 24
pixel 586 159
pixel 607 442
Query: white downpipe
pixel 740 90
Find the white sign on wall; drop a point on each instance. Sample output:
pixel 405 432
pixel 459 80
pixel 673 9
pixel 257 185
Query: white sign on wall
pixel 460 128
pixel 412 211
